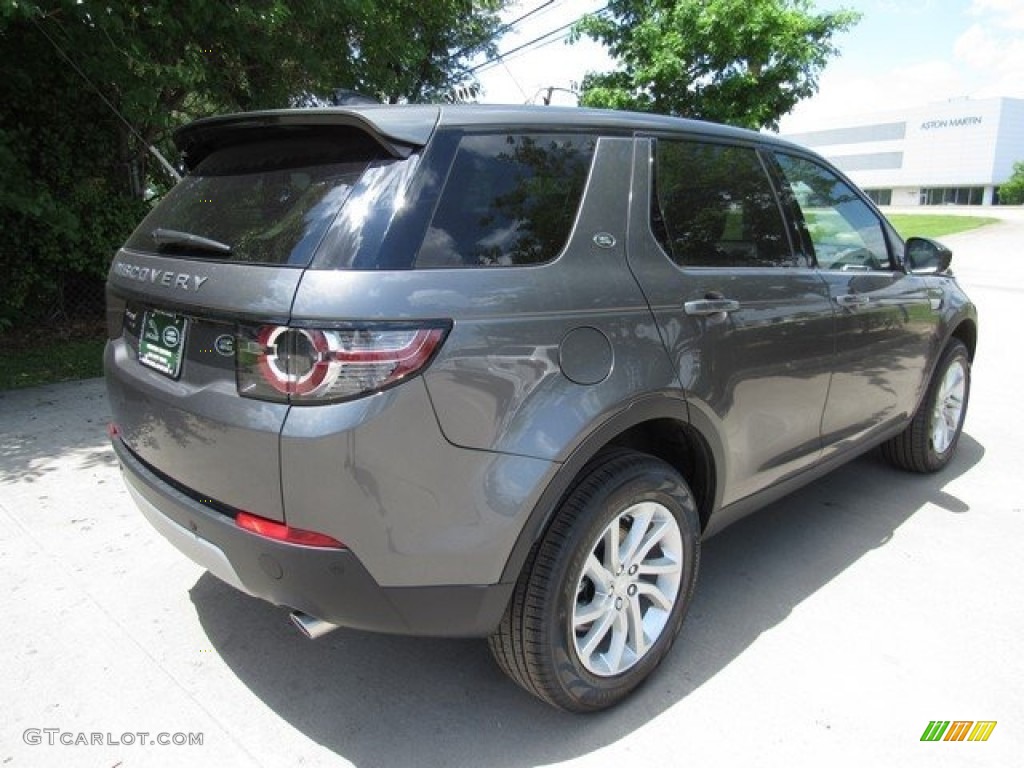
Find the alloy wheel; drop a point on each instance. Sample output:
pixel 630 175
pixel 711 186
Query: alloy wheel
pixel 627 588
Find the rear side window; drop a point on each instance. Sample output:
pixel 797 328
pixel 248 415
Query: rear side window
pixel 510 200
pixel 263 202
pixel 714 206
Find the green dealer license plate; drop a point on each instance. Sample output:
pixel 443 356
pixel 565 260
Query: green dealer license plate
pixel 162 342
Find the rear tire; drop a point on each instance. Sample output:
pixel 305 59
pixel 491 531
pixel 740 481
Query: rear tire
pixel 604 593
pixel 930 440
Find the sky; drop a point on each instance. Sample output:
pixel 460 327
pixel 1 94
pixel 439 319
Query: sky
pixel 902 53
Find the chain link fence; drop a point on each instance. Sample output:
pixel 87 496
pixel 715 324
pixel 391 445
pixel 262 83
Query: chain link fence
pixel 69 306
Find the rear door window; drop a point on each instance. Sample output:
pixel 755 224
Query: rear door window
pixel 510 200
pixel 263 202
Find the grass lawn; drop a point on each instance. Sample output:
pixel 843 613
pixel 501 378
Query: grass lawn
pixel 935 224
pixel 47 362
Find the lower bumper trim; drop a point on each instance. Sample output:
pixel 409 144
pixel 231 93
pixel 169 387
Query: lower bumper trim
pixel 330 585
pixel 199 551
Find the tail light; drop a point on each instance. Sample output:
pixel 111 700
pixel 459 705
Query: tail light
pixel 313 365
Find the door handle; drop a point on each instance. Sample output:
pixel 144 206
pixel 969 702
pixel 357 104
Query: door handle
pixel 704 307
pixel 853 300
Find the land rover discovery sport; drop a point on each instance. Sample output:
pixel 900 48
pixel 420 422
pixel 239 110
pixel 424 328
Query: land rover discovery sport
pixel 496 372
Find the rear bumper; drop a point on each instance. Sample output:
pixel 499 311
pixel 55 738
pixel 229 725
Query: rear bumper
pixel 330 584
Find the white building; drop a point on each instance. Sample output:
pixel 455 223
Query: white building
pixel 956 152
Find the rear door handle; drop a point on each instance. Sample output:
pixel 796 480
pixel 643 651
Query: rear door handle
pixel 704 307
pixel 853 300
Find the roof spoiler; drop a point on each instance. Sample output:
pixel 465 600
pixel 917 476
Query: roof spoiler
pixel 398 130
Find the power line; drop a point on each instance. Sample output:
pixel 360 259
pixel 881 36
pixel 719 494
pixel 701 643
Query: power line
pixel 519 54
pixel 155 152
pixel 564 36
pixel 548 8
pixel 564 28
pixel 526 99
pixel 506 27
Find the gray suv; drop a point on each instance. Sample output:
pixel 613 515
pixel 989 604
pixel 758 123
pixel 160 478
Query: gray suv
pixel 496 372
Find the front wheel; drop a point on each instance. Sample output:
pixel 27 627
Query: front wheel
pixel 604 593
pixel 929 442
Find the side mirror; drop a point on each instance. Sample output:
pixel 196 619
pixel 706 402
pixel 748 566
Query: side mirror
pixel 926 257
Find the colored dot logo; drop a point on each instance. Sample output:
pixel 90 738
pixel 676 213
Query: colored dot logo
pixel 958 730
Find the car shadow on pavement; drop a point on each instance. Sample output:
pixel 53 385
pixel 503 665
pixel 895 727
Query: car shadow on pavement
pixel 384 701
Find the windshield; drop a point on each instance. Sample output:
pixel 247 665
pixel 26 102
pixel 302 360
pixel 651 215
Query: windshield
pixel 264 202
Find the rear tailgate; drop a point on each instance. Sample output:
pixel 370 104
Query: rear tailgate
pixel 190 424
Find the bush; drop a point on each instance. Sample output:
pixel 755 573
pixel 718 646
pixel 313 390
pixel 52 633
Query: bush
pixel 1012 192
pixel 54 255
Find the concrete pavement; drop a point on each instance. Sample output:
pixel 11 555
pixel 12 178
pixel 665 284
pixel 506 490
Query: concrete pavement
pixel 828 629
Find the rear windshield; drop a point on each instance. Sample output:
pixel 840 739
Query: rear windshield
pixel 263 202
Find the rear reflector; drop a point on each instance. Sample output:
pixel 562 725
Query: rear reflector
pixel 271 529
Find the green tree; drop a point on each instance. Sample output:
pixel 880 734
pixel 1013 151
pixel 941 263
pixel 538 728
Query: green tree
pixel 1012 191
pixel 743 62
pixel 77 175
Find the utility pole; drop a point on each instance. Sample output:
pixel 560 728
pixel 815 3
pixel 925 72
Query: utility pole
pixel 551 89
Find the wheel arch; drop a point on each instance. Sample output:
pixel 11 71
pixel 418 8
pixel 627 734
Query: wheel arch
pixel 967 332
pixel 658 425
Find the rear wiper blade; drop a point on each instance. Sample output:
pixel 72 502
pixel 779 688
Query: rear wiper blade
pixel 175 237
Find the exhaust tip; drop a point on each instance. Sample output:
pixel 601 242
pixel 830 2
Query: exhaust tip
pixel 311 626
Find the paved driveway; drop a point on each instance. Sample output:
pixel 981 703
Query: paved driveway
pixel 829 629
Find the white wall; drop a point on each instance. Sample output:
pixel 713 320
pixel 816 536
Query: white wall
pixel 1010 147
pixel 951 144
pixel 964 143
pixel 906 196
